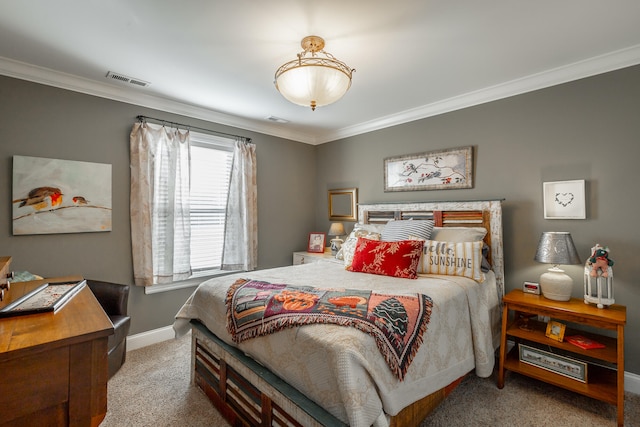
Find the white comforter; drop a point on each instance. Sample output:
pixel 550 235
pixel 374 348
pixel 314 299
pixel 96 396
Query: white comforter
pixel 341 368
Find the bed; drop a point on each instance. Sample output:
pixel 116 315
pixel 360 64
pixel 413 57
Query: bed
pixel 326 374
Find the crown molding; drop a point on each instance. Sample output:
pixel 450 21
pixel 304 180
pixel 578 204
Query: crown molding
pixel 597 65
pixel 582 69
pixel 46 76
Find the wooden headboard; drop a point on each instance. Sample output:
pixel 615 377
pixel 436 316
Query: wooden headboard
pixel 474 218
pixel 480 213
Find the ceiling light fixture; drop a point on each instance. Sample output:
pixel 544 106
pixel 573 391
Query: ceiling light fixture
pixel 313 80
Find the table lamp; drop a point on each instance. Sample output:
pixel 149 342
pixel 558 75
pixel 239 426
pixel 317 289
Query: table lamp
pixel 556 248
pixel 336 230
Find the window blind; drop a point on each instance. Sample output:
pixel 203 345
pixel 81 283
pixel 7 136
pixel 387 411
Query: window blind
pixel 211 161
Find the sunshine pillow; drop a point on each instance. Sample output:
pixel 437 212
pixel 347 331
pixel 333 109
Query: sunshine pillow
pixel 397 259
pixel 452 259
pixel 464 234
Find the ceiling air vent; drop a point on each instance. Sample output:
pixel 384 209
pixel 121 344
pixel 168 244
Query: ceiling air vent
pixel 125 79
pixel 277 119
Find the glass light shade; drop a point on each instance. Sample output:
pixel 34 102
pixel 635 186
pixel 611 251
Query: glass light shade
pixel 313 81
pixel 313 85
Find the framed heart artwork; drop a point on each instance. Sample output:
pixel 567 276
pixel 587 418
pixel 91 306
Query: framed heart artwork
pixel 564 200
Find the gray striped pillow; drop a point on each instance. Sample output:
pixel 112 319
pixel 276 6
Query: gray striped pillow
pixel 395 231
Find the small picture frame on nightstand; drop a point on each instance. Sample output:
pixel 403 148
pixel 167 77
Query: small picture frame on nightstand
pixel 555 330
pixel 316 242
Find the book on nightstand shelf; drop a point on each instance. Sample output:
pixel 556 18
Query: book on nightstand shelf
pixel 583 342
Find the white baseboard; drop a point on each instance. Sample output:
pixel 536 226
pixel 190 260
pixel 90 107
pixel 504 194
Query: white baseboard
pixel 632 383
pixel 154 336
pixel 143 339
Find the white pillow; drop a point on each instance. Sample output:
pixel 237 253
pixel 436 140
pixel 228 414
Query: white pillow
pixel 395 231
pixel 368 231
pixel 458 234
pixel 374 228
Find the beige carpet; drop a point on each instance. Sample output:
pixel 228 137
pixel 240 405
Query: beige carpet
pixel 152 389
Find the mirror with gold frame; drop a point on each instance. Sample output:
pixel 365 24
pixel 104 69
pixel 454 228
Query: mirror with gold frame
pixel 343 204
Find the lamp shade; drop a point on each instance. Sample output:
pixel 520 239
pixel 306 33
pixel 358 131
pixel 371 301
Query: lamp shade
pixel 336 229
pixel 316 78
pixel 557 248
pixel 313 85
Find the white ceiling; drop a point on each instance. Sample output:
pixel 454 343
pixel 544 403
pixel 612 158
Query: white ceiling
pixel 215 59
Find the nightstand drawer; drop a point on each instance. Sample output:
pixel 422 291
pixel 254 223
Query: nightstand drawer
pixel 312 257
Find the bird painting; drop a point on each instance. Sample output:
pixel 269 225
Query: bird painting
pixel 42 198
pixel 60 196
pixel 79 200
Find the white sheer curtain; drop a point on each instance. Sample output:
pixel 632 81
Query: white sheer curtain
pixel 240 250
pixel 160 223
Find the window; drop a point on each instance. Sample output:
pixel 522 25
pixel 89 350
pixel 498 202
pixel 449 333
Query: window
pixel 179 194
pixel 211 160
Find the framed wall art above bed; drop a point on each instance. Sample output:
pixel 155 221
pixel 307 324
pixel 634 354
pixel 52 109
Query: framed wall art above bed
pixel 434 170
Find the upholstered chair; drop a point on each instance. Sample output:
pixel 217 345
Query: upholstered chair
pixel 114 298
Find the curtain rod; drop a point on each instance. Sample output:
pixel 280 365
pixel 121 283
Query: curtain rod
pixel 142 118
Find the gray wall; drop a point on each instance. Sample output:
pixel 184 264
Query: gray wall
pixel 588 129
pixel 42 121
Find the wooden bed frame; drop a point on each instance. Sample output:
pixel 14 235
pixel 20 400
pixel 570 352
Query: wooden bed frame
pixel 248 394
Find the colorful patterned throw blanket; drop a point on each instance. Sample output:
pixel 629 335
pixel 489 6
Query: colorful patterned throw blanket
pixel 397 322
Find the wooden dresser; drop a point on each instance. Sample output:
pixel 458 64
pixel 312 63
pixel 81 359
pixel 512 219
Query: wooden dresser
pixel 53 366
pixel 5 263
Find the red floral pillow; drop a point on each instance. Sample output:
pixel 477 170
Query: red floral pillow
pixel 397 259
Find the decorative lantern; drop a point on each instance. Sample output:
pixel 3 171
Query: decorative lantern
pixel 598 277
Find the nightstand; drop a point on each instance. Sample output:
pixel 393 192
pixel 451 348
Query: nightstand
pixel 604 366
pixel 305 257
